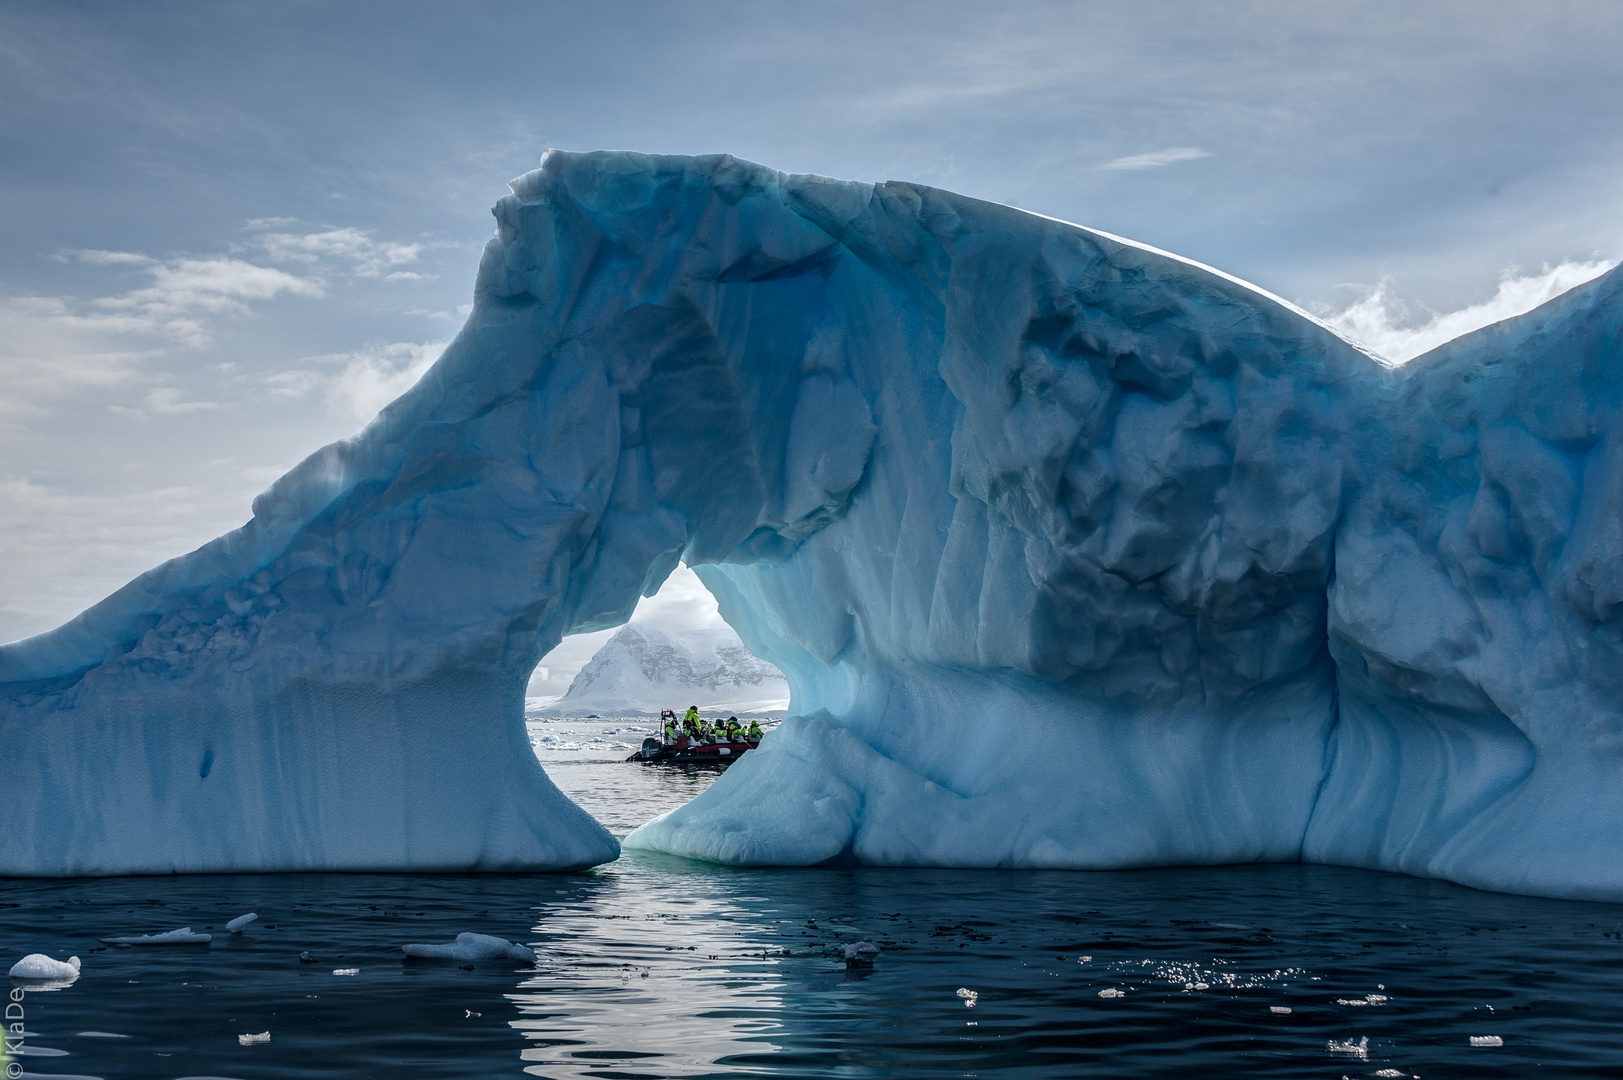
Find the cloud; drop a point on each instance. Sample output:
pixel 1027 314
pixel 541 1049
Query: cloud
pixel 1158 158
pixel 47 352
pixel 366 257
pixel 1388 325
pixel 375 375
pixel 182 292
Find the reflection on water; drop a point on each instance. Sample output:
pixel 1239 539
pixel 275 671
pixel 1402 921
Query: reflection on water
pixel 655 967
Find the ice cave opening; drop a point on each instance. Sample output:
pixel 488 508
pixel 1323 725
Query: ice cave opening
pixel 1074 553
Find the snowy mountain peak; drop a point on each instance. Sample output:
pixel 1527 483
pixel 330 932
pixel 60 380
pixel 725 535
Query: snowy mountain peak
pixel 642 670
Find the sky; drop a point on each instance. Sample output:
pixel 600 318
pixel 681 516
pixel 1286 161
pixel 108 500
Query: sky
pixel 230 232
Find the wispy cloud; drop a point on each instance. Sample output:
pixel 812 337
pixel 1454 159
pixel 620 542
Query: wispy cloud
pixel 1392 327
pixel 363 256
pixel 1158 158
pixel 367 378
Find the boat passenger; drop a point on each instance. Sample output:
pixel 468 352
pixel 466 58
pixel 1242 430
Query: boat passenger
pixel 691 720
pixel 735 731
pixel 754 733
pixel 669 725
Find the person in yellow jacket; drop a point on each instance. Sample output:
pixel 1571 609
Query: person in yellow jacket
pixel 754 733
pixel 690 722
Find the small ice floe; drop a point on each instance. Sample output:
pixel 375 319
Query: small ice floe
pixel 183 936
pixel 860 951
pixel 472 947
pixel 100 1035
pixel 969 996
pixel 1112 992
pixel 1487 1040
pixel 1282 1010
pixel 1084 959
pixel 254 1040
pixel 236 925
pixel 1367 999
pixel 1390 1072
pixel 40 966
pixel 346 971
pixel 1359 1049
pixel 309 958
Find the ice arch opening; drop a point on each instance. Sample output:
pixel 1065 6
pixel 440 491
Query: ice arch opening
pixel 1075 554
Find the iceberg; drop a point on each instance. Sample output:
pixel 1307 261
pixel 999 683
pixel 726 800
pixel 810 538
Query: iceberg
pixel 1074 553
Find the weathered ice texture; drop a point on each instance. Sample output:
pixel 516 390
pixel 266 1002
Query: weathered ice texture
pixel 1074 553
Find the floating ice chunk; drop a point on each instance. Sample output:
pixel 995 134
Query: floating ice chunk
pixel 236 925
pixel 40 966
pixel 346 971
pixel 100 1035
pixel 253 1040
pixel 1390 1072
pixel 860 950
pixel 183 936
pixel 472 947
pixel 1282 1010
pixel 969 996
pixel 1084 959
pixel 1487 1040
pixel 1359 1049
pixel 1112 992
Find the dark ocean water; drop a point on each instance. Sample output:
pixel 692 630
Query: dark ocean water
pixel 654 967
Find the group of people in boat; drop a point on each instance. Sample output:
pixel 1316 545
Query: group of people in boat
pixel 692 729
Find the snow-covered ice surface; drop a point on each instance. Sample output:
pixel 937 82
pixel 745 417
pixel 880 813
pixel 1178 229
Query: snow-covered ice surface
pixel 1074 554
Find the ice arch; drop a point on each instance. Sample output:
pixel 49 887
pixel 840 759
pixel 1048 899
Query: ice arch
pixel 1075 553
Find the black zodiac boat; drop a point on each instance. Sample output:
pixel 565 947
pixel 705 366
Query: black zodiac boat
pixel 683 752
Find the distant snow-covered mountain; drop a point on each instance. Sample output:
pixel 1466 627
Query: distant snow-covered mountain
pixel 644 670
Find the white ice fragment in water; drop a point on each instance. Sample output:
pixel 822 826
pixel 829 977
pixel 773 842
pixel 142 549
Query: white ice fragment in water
pixel 1390 1072
pixel 1487 1040
pixel 1282 1010
pixel 1359 1049
pixel 860 950
pixel 472 947
pixel 1083 959
pixel 1112 992
pixel 236 925
pixel 99 1035
pixel 969 996
pixel 253 1040
pixel 346 971
pixel 1203 986
pixel 40 966
pixel 1375 999
pixel 183 936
